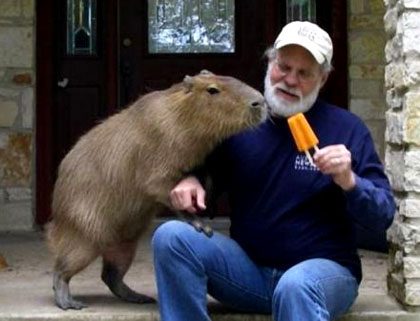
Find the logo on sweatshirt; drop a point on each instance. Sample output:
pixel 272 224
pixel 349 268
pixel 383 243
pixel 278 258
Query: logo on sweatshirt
pixel 302 164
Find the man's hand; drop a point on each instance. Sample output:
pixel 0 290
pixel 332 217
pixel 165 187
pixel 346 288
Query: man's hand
pixel 335 160
pixel 188 195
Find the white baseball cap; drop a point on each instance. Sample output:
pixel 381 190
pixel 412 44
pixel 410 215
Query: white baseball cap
pixel 308 35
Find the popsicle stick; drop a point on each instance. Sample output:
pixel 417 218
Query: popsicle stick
pixel 309 157
pixel 316 148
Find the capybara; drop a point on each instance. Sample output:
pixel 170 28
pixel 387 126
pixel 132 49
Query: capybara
pixel 118 175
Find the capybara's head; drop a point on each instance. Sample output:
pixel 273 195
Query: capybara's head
pixel 219 104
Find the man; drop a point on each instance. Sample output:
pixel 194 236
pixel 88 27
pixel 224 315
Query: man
pixel 292 249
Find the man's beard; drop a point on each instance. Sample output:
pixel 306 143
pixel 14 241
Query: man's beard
pixel 281 107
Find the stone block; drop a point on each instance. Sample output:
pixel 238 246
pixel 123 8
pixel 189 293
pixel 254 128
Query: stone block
pixel 395 283
pixel 377 130
pixel 405 291
pixel 15 159
pixel 357 7
pixel 367 71
pixel 393 49
pixel 405 235
pixel 410 25
pixel 393 162
pixel 22 79
pixel 394 127
pixel 412 170
pixel 411 267
pixel 8 114
pixel 412 119
pixel 18 194
pixel 390 22
pixel 411 71
pixel 9 94
pixel 410 4
pixel 376 7
pixel 9 8
pixel 394 100
pixel 369 109
pixel 395 76
pixel 17 47
pixel 361 22
pixel 390 3
pixel 28 8
pixel 363 88
pixel 412 292
pixel 16 217
pixel 26 108
pixel 410 208
pixel 367 47
pixel 398 260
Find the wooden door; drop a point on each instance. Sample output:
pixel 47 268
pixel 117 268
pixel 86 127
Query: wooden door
pixel 142 70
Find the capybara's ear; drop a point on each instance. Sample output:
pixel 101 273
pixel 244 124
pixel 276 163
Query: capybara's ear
pixel 206 72
pixel 188 83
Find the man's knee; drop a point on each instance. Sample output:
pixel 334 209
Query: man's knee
pixel 167 235
pixel 294 285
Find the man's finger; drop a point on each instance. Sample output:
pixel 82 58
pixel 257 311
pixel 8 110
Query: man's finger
pixel 201 199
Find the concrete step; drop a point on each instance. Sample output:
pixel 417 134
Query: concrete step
pixel 26 294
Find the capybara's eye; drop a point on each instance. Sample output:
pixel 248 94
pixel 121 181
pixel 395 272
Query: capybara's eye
pixel 213 90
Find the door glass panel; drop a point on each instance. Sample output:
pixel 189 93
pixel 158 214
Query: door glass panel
pixel 191 26
pixel 81 27
pixel 303 10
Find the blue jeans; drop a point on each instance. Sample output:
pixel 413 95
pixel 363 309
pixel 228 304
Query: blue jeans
pixel 189 265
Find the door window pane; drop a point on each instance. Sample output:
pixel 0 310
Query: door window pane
pixel 81 27
pixel 191 26
pixel 303 10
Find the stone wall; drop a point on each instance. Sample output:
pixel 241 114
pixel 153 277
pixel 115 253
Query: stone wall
pixel 16 113
pixel 366 40
pixel 402 81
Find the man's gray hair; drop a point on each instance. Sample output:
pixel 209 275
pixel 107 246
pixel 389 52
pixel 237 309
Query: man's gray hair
pixel 271 55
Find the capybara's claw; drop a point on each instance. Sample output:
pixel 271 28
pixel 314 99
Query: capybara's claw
pixel 144 299
pixel 70 304
pixel 199 227
pixel 208 231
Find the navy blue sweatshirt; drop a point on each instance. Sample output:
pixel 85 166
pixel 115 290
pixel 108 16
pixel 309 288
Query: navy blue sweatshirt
pixel 283 210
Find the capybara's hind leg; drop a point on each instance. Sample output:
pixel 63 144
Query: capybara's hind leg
pixel 116 261
pixel 65 268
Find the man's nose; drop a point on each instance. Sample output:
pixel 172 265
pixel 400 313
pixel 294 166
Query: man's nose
pixel 291 78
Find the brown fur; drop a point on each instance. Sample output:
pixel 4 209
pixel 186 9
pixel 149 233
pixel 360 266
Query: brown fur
pixel 118 176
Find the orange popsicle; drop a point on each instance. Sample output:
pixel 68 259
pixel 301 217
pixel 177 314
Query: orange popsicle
pixel 303 135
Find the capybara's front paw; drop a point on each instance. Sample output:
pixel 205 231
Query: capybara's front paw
pixel 200 227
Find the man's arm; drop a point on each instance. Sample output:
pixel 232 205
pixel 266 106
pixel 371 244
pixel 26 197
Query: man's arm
pixel 369 197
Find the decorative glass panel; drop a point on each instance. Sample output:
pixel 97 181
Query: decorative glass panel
pixel 81 27
pixel 303 10
pixel 191 26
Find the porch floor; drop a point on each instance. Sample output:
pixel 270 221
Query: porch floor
pixel 26 293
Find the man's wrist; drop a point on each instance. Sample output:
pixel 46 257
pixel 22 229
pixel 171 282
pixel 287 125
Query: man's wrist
pixel 349 183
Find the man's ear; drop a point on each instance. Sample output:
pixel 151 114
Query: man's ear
pixel 324 78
